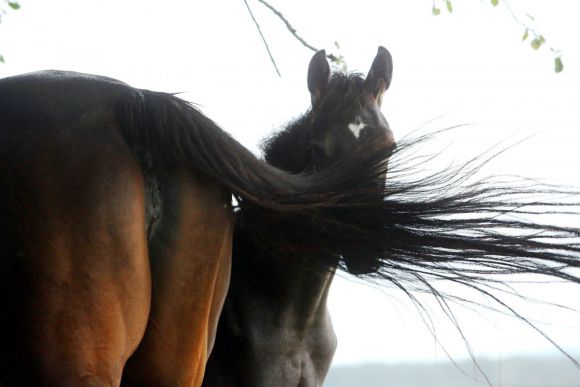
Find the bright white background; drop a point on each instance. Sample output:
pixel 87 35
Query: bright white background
pixel 468 67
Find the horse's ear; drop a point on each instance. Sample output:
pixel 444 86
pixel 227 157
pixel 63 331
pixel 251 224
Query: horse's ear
pixel 318 76
pixel 379 77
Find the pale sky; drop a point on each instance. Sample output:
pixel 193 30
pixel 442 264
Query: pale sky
pixel 468 67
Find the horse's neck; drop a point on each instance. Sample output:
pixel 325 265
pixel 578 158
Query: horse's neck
pixel 292 296
pixel 309 294
pixel 295 294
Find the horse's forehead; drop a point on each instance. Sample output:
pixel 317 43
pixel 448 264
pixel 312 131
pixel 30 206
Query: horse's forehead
pixel 356 126
pixel 349 87
pixel 349 105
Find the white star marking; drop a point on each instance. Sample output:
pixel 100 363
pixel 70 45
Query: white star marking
pixel 356 126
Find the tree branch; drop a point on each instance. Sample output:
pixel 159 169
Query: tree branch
pixel 538 40
pixel 288 25
pixel 333 58
pixel 263 38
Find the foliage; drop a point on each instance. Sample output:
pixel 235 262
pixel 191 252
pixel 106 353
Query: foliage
pixel 537 40
pixel 12 5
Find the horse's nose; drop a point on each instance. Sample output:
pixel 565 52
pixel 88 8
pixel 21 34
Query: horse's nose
pixel 390 139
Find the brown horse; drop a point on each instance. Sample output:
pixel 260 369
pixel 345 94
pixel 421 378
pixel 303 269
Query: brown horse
pixel 116 224
pixel 116 229
pixel 275 329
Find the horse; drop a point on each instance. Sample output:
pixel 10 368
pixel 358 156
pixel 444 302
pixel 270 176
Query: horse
pixel 275 328
pixel 116 224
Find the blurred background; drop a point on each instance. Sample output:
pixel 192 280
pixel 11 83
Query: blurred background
pixel 469 66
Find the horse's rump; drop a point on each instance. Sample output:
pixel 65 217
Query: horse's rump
pixel 72 236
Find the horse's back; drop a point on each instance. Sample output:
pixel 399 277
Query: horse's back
pixel 74 271
pixel 59 111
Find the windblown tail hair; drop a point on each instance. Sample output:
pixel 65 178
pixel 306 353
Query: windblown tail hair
pixel 413 229
pixel 278 208
pixel 448 226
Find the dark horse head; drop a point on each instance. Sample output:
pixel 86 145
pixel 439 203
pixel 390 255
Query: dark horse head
pixel 345 117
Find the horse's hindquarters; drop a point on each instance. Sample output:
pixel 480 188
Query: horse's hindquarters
pixel 74 274
pixel 190 264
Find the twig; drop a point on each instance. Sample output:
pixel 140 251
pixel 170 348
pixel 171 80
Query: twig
pixel 263 38
pixel 538 39
pixel 288 25
pixel 293 31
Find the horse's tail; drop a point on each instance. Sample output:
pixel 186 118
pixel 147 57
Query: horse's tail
pixel 282 211
pixel 415 230
pixel 450 226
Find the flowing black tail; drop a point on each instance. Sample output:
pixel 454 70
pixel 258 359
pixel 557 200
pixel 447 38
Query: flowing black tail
pixel 448 226
pixel 414 229
pixel 283 211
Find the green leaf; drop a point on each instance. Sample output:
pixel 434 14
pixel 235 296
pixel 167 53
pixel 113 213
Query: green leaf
pixel 449 6
pixel 558 65
pixel 2 59
pixel 494 2
pixel 14 5
pixel 436 11
pixel 537 43
pixel 526 34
